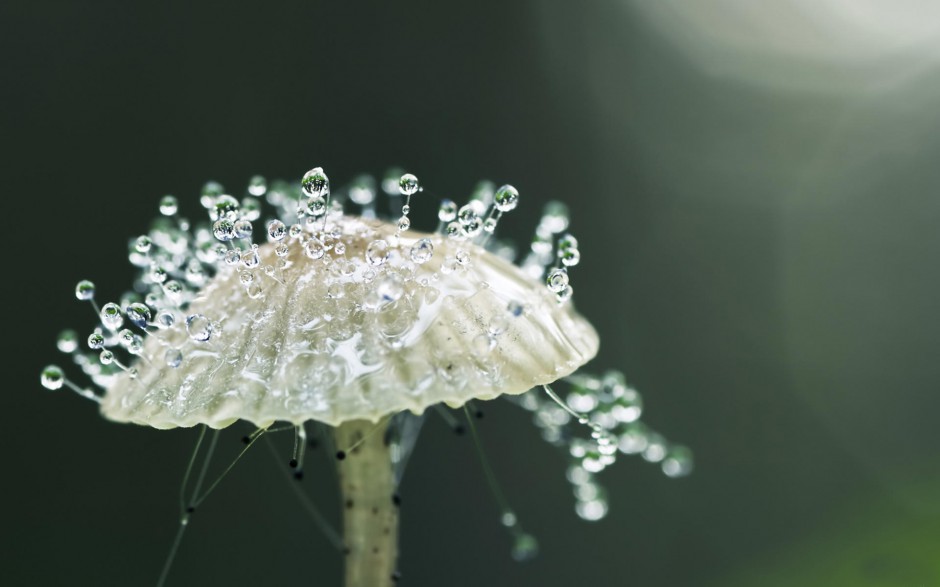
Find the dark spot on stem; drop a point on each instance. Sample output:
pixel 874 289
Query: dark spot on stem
pixel 349 504
pixel 340 455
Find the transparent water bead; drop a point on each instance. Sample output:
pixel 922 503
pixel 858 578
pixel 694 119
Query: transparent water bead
pixel 168 206
pixel 408 184
pixel 67 341
pixel 52 377
pixel 85 290
pixel 506 198
pixel 525 547
pixel 557 280
pixel 422 251
pixel 315 183
pixel 199 327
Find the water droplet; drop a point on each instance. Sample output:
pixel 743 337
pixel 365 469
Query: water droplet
pixel 165 319
pixel 85 290
pixel 483 344
pixel 454 230
pixel 125 337
pixel 277 230
pixel 315 183
pixel 173 358
pixel 232 256
pixel 377 253
pixel 158 274
pixel 567 242
pixel 225 207
pixel 316 206
pixel 173 290
pixel 506 198
pixel 362 191
pixel 257 185
pixel 243 229
pixel 591 510
pixel 422 251
pixel 52 377
pixel 408 184
pixel 555 217
pixel 199 327
pixel 168 206
pixel 281 250
pixel 508 519
pixel 314 248
pixel 390 288
pixel 67 341
pixel 404 223
pixel 246 277
pixel 678 462
pixel 489 225
pixel 339 247
pixel 95 341
pixel 224 230
pixel 462 257
pixel 467 215
pixel 111 316
pixel 447 212
pixel 515 309
pixel 250 258
pixel 557 280
pixel 143 244
pixel 525 547
pixel 295 231
pixel 569 257
pixel 138 314
pixel 106 357
pixel 565 294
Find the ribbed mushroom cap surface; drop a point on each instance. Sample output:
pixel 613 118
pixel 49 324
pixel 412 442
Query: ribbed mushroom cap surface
pixel 340 338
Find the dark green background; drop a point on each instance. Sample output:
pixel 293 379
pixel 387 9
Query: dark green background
pixel 759 259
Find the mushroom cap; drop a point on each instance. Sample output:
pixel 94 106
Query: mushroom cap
pixel 341 338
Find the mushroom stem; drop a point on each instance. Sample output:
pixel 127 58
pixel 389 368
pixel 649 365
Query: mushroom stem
pixel 370 512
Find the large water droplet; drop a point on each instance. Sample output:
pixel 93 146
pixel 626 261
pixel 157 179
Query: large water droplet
pixel 678 461
pixel 85 290
pixel 257 185
pixel 111 316
pixel 506 198
pixel 95 341
pixel 315 183
pixel 199 327
pixel 173 358
pixel 276 230
pixel 422 251
pixel 377 253
pixel 557 280
pixel 225 207
pixel 168 206
pixel 362 191
pixel 243 229
pixel 447 212
pixel 67 341
pixel 555 217
pixel 408 184
pixel 316 206
pixel 390 288
pixel 52 377
pixel 525 547
pixel 138 314
pixel 143 244
pixel 314 248
pixel 224 230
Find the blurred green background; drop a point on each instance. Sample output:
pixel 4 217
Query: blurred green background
pixel 754 189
